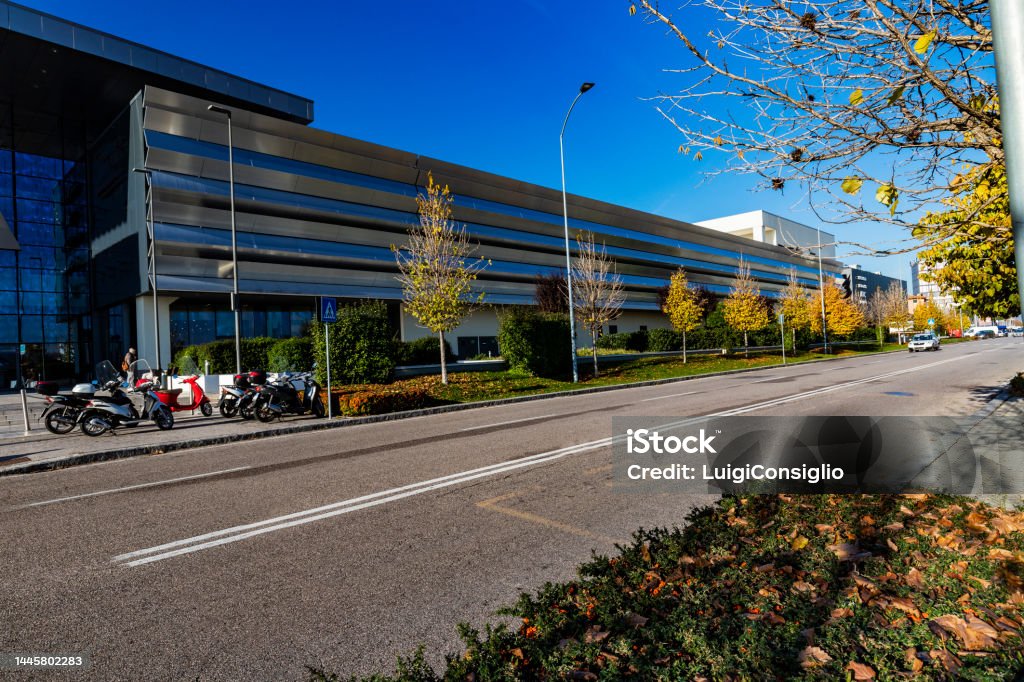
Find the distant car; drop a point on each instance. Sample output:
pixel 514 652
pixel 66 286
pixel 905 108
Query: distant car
pixel 1001 330
pixel 975 332
pixel 1017 331
pixel 984 334
pixel 923 342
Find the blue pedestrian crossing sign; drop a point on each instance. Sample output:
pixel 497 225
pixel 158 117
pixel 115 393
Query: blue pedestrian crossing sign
pixel 931 321
pixel 328 309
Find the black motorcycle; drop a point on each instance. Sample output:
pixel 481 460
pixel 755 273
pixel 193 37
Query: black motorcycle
pixel 292 394
pixel 62 409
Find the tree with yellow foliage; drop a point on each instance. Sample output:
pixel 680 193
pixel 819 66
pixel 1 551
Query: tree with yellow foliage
pixel 436 268
pixel 795 305
pixel 682 306
pixel 842 316
pixel 929 310
pixel 745 309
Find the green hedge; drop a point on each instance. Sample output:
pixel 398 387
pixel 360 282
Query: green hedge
pixel 535 343
pixel 630 341
pixel 221 355
pixel 423 351
pixel 665 340
pixel 291 355
pixel 363 347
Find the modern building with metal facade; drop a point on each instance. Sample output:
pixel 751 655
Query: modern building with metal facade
pixel 864 284
pixel 317 213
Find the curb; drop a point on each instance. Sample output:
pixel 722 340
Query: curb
pixel 139 450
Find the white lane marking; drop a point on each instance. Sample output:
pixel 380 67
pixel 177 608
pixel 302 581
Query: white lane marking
pixel 243 532
pixel 761 381
pixel 663 397
pixel 511 421
pixel 346 506
pixel 131 487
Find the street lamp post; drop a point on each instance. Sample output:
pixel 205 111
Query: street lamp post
pixel 568 258
pixel 234 244
pixel 151 264
pixel 821 287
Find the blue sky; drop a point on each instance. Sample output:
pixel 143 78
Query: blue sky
pixel 482 84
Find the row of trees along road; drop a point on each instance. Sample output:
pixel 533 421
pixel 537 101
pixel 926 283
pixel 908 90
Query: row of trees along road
pixel 746 310
pixel 878 110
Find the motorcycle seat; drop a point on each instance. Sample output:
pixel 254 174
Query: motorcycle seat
pixel 174 392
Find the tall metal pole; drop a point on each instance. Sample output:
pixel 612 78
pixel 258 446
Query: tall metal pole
pixel 821 287
pixel 568 258
pixel 151 266
pixel 234 242
pixel 1007 19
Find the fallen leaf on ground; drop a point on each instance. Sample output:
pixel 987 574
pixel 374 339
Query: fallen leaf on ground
pixel 861 671
pixel 974 633
pixel 813 656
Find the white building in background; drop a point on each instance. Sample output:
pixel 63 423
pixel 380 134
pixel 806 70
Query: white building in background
pixel 768 228
pixel 921 286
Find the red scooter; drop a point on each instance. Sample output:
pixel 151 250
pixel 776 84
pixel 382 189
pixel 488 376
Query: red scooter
pixel 170 398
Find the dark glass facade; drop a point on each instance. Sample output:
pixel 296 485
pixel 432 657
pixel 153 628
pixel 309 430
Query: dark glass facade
pixel 45 325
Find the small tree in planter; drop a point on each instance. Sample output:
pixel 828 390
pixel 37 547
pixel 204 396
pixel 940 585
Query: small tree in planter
pixel 682 306
pixel 596 289
pixel 745 309
pixel 436 269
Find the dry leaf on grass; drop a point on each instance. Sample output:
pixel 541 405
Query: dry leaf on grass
pixel 813 656
pixel 974 633
pixel 861 671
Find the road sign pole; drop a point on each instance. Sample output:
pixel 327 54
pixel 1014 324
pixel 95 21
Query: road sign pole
pixel 327 344
pixel 782 330
pixel 328 314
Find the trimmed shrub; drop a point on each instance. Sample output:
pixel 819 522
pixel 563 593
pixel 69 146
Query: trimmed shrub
pixel 635 342
pixel 423 351
pixel 255 353
pixel 362 345
pixel 291 355
pixel 383 399
pixel 665 340
pixel 221 355
pixel 535 343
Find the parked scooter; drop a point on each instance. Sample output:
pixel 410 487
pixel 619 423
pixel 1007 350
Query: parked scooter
pixel 172 397
pixel 231 396
pixel 102 414
pixel 61 412
pixel 247 405
pixel 290 394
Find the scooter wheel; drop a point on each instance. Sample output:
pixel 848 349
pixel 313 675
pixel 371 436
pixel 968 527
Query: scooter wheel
pixel 206 409
pixel 318 408
pixel 164 419
pixel 90 429
pixel 228 408
pixel 265 414
pixel 60 421
pixel 246 411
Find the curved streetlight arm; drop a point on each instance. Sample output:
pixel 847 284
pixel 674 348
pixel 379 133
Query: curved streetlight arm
pixel 565 213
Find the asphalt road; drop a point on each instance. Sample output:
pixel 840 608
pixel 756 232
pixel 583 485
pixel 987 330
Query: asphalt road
pixel 343 548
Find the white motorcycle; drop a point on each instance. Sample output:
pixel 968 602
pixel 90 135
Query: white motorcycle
pixel 106 413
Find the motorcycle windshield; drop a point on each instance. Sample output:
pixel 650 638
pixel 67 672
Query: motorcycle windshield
pixel 106 372
pixel 141 371
pixel 187 367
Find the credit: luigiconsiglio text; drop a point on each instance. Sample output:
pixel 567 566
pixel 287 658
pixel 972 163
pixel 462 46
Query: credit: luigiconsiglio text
pixel 646 441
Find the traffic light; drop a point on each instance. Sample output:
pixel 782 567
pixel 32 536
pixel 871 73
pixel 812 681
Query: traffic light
pixel 847 287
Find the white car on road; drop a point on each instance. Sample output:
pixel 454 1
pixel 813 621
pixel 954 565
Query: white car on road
pixel 923 342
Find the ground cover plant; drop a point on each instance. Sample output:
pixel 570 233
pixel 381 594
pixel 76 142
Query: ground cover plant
pixel 776 587
pixel 464 387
